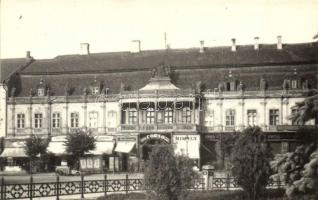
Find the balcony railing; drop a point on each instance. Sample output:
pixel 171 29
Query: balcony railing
pixel 158 127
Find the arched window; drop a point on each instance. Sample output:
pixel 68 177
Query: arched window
pixel 93 119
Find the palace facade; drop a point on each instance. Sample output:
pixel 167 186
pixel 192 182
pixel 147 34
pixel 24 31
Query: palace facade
pixel 130 101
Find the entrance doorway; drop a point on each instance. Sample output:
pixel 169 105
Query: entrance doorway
pixel 149 145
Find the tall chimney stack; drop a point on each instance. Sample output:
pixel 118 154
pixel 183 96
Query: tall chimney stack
pixel 84 49
pixel 256 43
pixel 279 42
pixel 28 55
pixel 233 47
pixel 201 46
pixel 135 46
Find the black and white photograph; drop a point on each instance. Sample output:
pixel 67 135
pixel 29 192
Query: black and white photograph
pixel 159 100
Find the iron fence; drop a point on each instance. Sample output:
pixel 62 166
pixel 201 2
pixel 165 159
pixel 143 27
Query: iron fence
pixel 61 188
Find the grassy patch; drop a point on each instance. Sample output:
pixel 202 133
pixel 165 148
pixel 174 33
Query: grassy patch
pixel 277 194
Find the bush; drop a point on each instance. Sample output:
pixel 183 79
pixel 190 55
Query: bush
pixel 251 162
pixel 168 176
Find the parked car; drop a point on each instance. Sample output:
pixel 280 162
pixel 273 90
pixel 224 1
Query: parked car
pixel 65 170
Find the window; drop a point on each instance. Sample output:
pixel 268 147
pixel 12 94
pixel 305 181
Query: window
pixel 92 119
pixel 20 120
pixel 230 118
pixel 150 116
pixel 40 92
pixel 208 117
pixel 56 120
pixel 168 115
pixel 132 116
pixel 294 122
pixel 95 90
pixel 186 115
pixel 38 120
pixel 273 117
pixel 74 120
pixel 251 117
pixel 294 84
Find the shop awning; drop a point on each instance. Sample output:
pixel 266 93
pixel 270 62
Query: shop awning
pixel 57 148
pixel 14 152
pixel 125 146
pixel 103 148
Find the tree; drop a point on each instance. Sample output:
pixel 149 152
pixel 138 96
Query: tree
pixel 307 109
pixel 251 162
pixel 167 175
pixel 299 169
pixel 227 145
pixel 35 146
pixel 78 143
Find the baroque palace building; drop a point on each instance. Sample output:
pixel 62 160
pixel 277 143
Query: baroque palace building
pixel 131 101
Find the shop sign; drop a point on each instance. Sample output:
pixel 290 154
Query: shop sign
pixel 277 136
pixel 58 139
pixel 104 138
pixel 125 138
pixel 186 137
pixel 212 137
pixel 155 136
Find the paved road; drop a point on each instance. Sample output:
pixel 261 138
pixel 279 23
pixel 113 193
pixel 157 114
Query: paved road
pixel 51 177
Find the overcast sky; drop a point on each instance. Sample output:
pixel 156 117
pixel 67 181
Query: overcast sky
pixel 56 27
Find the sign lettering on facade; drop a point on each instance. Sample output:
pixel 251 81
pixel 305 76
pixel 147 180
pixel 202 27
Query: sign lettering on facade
pixel 155 136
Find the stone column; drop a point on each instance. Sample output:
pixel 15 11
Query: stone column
pixel 13 119
pixel 286 113
pixel 264 114
pixel 193 112
pixel 281 113
pixel 48 118
pixel 30 118
pixel 221 124
pixel 242 104
pixel 104 116
pixel 66 117
pixel 174 112
pixel 85 113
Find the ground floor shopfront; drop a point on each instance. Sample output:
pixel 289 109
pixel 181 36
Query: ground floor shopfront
pixel 128 152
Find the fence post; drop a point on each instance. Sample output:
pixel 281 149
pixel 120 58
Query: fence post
pixel 105 185
pixel 31 187
pixel 57 187
pixel 228 182
pixel 127 184
pixel 3 195
pixel 82 186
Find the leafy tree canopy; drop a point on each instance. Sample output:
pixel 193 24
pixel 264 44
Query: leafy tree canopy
pixel 251 162
pixel 35 145
pixel 79 142
pixel 168 175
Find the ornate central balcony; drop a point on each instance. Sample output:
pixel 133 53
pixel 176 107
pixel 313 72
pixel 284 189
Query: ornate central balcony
pixel 158 127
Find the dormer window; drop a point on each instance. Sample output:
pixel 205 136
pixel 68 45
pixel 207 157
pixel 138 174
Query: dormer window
pixel 294 84
pixel 95 90
pixel 40 92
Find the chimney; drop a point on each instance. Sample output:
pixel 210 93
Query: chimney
pixel 84 49
pixel 28 55
pixel 256 43
pixel 135 46
pixel 201 46
pixel 233 48
pixel 279 42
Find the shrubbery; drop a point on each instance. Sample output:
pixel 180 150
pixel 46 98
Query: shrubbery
pixel 250 161
pixel 168 176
